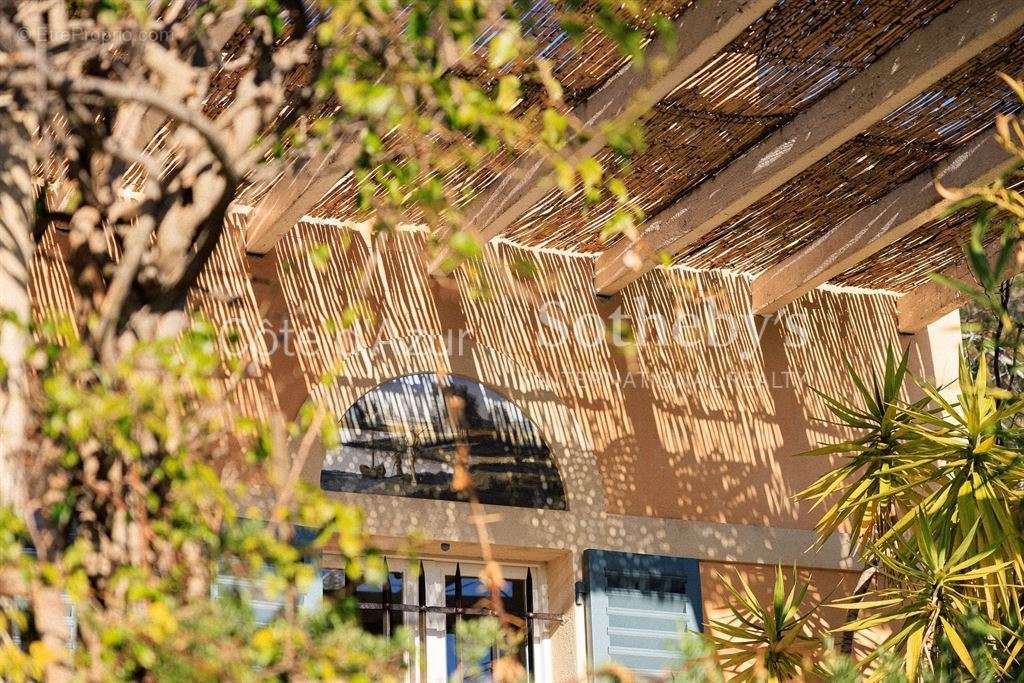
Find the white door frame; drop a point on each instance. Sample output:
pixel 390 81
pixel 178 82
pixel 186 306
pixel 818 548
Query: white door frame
pixel 435 650
pixel 411 620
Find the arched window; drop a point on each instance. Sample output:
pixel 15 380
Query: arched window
pixel 400 440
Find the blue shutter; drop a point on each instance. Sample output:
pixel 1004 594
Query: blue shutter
pixel 636 606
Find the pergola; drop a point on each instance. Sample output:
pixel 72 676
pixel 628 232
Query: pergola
pixel 798 141
pixel 795 141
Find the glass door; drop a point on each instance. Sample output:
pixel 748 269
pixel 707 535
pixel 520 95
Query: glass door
pixel 385 608
pixel 467 599
pixel 435 600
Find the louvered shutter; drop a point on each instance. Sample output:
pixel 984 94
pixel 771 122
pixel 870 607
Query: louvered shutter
pixel 636 606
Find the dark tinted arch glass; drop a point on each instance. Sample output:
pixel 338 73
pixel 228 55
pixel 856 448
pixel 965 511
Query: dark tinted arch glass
pixel 399 440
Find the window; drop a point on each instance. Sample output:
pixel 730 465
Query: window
pixel 463 596
pixel 635 607
pixel 381 609
pixel 19 604
pixel 399 440
pixel 250 590
pixel 433 597
pixel 265 608
pixel 70 620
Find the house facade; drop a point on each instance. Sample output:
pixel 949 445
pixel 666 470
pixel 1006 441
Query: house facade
pixel 629 453
pixel 668 449
pixel 632 410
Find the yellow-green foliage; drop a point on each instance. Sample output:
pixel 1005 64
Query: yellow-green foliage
pixel 137 521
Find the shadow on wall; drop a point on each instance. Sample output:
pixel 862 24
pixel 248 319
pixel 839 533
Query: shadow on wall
pixel 697 421
pixel 328 275
pixel 224 296
pixel 618 445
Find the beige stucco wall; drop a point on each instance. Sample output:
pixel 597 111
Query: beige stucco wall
pixel 696 430
pixel 674 448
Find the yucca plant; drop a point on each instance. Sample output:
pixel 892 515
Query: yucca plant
pixel 933 589
pixel 981 639
pixel 771 643
pixel 931 492
pixel 972 480
pixel 875 483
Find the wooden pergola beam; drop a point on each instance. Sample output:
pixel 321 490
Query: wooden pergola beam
pixel 865 233
pixel 304 183
pixel 925 304
pixel 702 31
pixel 918 62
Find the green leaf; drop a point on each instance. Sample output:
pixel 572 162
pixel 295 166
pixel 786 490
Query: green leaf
pixel 620 223
pixel 590 173
pixel 617 189
pixel 565 176
pixel 320 256
pixel 958 645
pixel 553 128
pixel 913 655
pixel 962 287
pixel 504 46
pixel 466 245
pixel 508 93
pixel 551 84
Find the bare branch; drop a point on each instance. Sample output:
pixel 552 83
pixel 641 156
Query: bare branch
pixel 143 94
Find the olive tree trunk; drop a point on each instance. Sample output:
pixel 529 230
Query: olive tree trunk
pixel 16 248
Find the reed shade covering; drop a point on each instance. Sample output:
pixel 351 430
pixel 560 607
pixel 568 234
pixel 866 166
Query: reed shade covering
pixel 581 69
pixel 796 53
pixel 910 140
pixel 785 61
pixel 935 247
pixel 788 59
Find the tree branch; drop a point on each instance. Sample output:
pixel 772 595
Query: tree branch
pixel 142 94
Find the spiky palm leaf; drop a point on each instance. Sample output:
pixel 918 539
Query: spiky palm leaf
pixel 875 482
pixel 972 480
pixel 933 588
pixel 773 642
